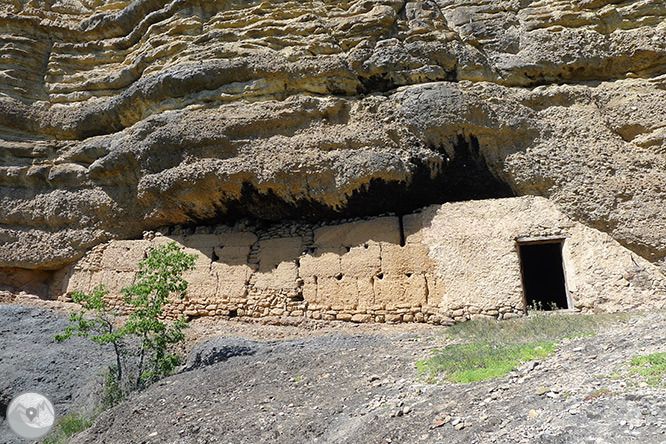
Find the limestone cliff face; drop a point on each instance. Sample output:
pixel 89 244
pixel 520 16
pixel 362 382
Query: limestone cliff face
pixel 119 117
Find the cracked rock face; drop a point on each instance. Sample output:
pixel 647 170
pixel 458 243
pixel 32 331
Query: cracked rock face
pixel 119 117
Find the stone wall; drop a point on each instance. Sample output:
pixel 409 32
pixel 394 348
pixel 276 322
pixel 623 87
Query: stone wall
pixel 444 264
pixel 475 248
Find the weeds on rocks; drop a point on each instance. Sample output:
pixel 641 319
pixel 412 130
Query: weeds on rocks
pixel 67 426
pixel 480 361
pixel 598 394
pixel 651 367
pixel 486 349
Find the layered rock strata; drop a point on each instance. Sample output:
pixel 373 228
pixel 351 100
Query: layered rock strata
pixel 120 117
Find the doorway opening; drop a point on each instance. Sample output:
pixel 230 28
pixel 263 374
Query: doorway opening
pixel 544 284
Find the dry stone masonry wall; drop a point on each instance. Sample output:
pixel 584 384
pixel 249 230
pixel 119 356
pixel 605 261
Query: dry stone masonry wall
pixel 444 264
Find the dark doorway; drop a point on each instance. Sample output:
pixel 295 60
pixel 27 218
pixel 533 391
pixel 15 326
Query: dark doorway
pixel 543 276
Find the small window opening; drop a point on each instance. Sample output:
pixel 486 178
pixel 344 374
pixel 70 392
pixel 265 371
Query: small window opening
pixel 233 313
pixel 543 275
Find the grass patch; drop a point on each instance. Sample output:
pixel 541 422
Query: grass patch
pixel 68 426
pixel 651 367
pixel 481 361
pixel 487 349
pixel 535 327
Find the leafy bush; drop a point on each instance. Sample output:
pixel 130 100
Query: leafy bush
pixel 143 345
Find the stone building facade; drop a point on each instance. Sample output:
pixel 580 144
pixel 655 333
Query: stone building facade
pixel 445 264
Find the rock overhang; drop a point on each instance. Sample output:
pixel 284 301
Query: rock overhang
pixel 192 114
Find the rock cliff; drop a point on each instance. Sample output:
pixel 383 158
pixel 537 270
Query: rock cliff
pixel 119 117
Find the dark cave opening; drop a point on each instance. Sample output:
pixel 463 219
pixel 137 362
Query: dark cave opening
pixel 466 176
pixel 543 276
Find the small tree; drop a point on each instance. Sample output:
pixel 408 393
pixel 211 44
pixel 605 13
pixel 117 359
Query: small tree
pixel 143 344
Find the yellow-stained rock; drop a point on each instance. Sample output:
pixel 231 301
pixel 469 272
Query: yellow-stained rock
pixel 364 260
pixel 124 256
pixel 281 279
pixel 326 262
pixel 274 252
pixel 333 291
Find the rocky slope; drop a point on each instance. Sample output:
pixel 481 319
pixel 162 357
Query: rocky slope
pixel 340 382
pixel 33 361
pixel 364 388
pixel 118 117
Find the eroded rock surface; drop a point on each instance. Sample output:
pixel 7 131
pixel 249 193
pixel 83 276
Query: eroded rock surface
pixel 119 117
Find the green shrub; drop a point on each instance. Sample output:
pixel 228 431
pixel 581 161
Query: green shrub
pixel 67 426
pixel 143 344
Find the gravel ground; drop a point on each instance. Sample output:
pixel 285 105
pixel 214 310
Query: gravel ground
pixel 343 384
pixel 31 360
